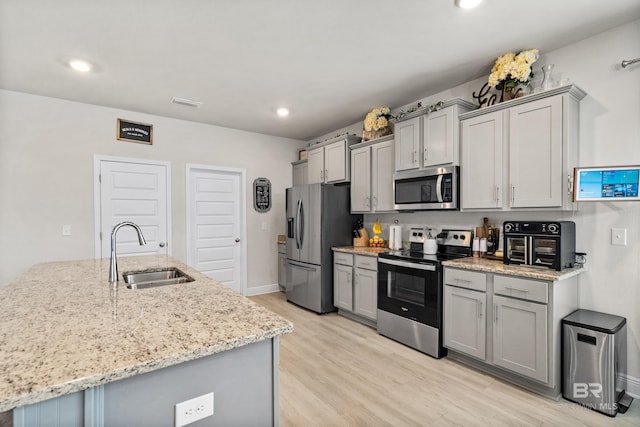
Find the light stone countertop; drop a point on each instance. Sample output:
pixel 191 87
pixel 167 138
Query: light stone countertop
pixel 493 266
pixel 64 328
pixel 360 250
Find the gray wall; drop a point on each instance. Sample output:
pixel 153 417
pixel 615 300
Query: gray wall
pixel 47 147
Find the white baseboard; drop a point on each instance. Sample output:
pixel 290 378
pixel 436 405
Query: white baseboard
pixel 264 289
pixel 633 387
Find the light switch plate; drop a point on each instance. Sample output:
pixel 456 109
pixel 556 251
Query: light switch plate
pixel 619 236
pixel 66 230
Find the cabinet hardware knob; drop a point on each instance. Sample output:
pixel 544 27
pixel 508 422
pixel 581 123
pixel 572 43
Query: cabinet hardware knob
pixel 162 245
pixel 237 240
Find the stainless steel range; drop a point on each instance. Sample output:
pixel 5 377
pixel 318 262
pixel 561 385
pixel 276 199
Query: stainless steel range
pixel 410 290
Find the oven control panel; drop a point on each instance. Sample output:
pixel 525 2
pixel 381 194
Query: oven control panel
pixel 456 237
pixel 417 235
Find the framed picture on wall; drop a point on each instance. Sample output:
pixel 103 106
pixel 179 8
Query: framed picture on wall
pixel 129 131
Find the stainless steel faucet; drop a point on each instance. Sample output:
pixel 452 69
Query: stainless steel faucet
pixel 113 265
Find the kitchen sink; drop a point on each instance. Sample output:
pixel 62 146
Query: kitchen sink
pixel 155 277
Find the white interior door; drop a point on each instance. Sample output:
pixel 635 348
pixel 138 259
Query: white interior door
pixel 137 191
pixel 216 223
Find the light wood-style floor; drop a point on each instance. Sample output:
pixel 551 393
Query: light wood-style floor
pixel 336 372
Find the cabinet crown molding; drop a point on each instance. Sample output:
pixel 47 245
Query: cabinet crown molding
pixel 423 110
pixel 350 138
pixel 572 90
pixel 371 142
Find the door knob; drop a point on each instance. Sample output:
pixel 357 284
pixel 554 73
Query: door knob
pixel 162 245
pixel 237 240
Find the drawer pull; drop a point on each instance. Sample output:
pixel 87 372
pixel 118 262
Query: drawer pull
pixel 526 291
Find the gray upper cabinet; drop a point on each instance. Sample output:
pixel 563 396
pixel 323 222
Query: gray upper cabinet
pixel 300 172
pixel 372 167
pixel 481 170
pixel 535 154
pixel 407 144
pixel 520 154
pixel 361 179
pixel 430 139
pixel 328 162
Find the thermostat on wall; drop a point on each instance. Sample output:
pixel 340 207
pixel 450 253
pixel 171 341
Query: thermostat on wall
pixel 262 194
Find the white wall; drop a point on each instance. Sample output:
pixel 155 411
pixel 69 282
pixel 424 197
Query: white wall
pixel 46 178
pixel 609 135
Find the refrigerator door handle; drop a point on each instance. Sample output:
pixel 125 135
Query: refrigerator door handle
pixel 301 266
pixel 301 224
pixel 297 220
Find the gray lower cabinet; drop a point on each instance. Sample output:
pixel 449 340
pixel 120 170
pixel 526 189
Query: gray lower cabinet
pixel 464 318
pixel 244 381
pixel 282 266
pixel 365 288
pixel 508 325
pixel 355 286
pixel 520 337
pixel 343 286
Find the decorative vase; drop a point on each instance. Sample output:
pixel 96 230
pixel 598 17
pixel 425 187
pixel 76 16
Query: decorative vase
pixel 505 94
pixel 520 90
pixel 547 83
pixel 374 134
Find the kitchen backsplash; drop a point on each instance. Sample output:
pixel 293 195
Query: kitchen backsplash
pixel 439 220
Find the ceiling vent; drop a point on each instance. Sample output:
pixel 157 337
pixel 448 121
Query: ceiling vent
pixel 186 102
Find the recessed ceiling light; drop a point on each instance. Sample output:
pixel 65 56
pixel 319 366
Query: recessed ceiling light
pixel 79 65
pixel 467 4
pixel 282 112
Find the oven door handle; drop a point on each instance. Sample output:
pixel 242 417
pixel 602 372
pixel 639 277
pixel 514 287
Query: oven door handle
pixel 416 265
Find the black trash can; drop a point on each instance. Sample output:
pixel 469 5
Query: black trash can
pixel 594 361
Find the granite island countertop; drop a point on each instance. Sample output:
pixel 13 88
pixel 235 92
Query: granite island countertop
pixel 493 266
pixel 360 250
pixel 65 328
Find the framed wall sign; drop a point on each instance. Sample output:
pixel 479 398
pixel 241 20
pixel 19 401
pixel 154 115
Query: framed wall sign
pixel 262 194
pixel 135 132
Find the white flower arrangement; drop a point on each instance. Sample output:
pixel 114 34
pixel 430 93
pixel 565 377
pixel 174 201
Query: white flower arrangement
pixel 511 69
pixel 377 119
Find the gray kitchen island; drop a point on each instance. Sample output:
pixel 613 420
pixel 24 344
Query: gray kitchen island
pixel 77 350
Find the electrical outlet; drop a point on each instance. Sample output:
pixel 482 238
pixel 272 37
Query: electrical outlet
pixel 619 236
pixel 66 230
pixel 194 409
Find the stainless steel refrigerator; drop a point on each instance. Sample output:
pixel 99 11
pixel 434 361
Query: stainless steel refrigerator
pixel 318 218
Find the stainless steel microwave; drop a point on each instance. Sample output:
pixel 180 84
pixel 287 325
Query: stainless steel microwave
pixel 427 189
